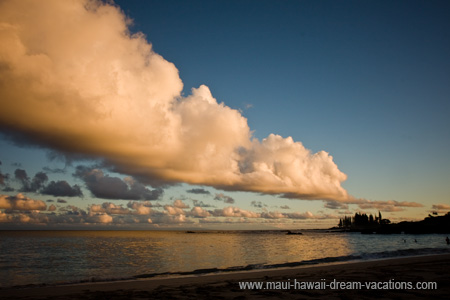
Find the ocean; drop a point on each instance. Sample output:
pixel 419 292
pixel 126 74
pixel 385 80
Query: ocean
pixel 60 257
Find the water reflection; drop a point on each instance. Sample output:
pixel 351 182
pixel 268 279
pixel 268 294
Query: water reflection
pixel 69 256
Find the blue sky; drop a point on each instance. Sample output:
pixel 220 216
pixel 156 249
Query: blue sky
pixel 366 81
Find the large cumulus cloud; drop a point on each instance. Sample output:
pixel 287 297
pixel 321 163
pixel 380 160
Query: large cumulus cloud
pixel 74 79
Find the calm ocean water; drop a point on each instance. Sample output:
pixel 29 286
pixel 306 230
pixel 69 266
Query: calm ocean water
pixel 54 257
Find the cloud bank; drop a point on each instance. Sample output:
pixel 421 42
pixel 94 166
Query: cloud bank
pixel 21 209
pixel 74 79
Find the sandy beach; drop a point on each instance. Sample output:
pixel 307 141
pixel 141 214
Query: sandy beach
pixel 385 273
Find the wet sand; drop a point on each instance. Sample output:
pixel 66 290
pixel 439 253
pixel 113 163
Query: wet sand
pixel 434 268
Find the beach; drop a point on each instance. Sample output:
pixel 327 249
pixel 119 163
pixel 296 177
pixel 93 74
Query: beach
pixel 391 277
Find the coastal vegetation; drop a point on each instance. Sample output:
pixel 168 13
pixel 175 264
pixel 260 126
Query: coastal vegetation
pixel 364 223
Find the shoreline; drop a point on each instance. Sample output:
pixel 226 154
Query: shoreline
pixel 328 261
pixel 430 268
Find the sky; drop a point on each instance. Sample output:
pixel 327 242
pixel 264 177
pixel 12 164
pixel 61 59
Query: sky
pixel 222 114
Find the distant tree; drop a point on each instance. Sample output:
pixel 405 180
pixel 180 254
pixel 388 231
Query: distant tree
pixel 345 222
pixel 362 220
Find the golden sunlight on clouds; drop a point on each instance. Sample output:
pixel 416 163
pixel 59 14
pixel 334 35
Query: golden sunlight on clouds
pixel 21 202
pixel 74 79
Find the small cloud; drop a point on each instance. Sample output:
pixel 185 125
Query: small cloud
pixel 200 203
pixel 109 208
pixel 172 219
pixel 388 206
pixel 173 211
pixel 54 171
pixel 440 208
pixel 21 175
pixel 140 208
pixel 345 212
pixel 224 198
pixel 198 191
pixel 272 215
pixel 73 210
pixel 180 204
pixel 234 212
pixel 258 204
pixel 301 216
pixel 62 189
pixel 198 212
pixel 248 105
pixel 100 218
pixel 3 178
pixel 30 185
pixel 331 204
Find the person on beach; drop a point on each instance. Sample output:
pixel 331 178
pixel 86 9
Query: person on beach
pixel 447 240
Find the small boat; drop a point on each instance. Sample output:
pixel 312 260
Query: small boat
pixel 291 232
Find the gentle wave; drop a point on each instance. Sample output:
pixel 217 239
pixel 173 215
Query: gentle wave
pixel 321 261
pixel 57 258
pixel 326 260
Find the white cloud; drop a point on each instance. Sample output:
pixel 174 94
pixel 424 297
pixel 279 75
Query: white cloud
pixel 100 218
pixel 235 212
pixel 272 215
pixel 297 215
pixel 173 211
pixel 72 69
pixel 140 208
pixel 199 212
pixel 180 204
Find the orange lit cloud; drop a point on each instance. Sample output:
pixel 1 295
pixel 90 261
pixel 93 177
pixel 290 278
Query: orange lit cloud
pixel 440 208
pixel 388 206
pixel 21 209
pixel 198 212
pixel 21 202
pixel 74 79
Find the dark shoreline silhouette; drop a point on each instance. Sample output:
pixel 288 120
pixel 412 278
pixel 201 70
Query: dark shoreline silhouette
pixel 293 233
pixel 369 224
